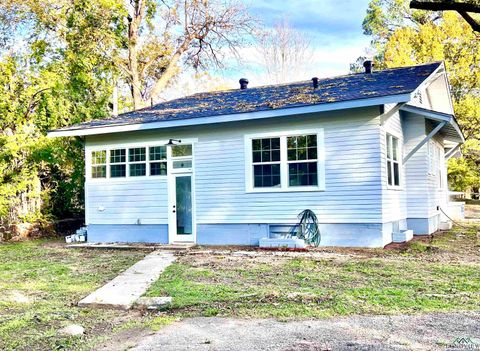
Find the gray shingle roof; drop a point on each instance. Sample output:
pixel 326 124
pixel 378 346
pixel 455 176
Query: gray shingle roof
pixel 337 89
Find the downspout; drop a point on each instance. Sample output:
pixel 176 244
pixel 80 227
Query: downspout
pixel 424 141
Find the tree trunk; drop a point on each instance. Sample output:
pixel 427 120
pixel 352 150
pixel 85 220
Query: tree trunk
pixel 162 82
pixel 134 22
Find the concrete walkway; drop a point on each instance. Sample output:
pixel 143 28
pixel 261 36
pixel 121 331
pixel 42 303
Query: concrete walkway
pixel 433 331
pixel 125 289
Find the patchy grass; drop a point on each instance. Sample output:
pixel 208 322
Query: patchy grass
pixel 439 273
pixel 40 284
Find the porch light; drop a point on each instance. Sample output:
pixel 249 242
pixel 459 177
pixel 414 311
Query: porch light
pixel 173 141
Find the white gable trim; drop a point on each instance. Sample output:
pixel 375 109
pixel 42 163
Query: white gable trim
pixel 232 117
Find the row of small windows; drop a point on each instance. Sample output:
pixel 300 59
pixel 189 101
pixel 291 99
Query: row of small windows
pixel 139 161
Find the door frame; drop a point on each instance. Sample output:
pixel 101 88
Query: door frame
pixel 172 217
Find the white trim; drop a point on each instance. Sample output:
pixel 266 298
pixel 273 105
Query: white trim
pixel 171 218
pixel 332 106
pixel 284 187
pixel 126 146
pixel 398 161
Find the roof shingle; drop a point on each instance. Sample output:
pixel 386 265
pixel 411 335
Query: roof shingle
pixel 337 89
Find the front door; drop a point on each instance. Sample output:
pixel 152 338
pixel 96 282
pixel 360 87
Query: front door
pixel 181 220
pixel 181 225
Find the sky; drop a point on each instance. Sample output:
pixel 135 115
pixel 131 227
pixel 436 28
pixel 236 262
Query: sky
pixel 334 26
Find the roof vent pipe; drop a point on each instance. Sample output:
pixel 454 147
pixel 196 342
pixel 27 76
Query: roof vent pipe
pixel 243 83
pixel 368 64
pixel 315 82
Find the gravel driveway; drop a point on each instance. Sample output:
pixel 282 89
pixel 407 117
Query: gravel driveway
pixel 419 332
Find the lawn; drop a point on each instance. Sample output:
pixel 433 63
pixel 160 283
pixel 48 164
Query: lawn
pixel 40 283
pixel 436 274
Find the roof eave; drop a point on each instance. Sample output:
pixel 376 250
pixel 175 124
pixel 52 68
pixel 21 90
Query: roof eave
pixel 438 116
pixel 332 106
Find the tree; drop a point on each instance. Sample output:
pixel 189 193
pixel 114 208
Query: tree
pixel 193 32
pixel 463 8
pixel 405 37
pixel 284 52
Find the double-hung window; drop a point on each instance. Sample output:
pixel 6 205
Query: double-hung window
pixel 266 162
pixel 137 161
pixel 393 161
pixel 158 160
pixel 118 166
pixel 285 161
pixel 302 160
pixel 99 164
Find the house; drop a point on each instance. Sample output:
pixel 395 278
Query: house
pixel 366 152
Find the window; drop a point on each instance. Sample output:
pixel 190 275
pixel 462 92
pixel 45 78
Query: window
pixel 436 163
pixel 439 167
pixel 393 161
pixel 137 164
pixel 285 161
pixel 99 164
pixel 266 162
pixel 118 166
pixel 181 150
pixel 302 160
pixel 158 160
pixel 181 157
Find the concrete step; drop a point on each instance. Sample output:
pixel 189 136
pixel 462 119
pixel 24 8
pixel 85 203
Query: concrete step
pixel 402 236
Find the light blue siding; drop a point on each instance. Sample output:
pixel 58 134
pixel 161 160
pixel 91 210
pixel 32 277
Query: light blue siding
pixel 352 180
pixel 350 208
pixel 127 202
pixel 231 234
pixel 394 200
pixel 127 233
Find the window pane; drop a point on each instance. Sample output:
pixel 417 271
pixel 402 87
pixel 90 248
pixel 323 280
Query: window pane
pixel 99 171
pixel 138 169
pixel 117 156
pixel 158 168
pixel 389 172
pixel 303 174
pixel 395 148
pixel 99 157
pixel 266 150
pixel 396 174
pixel 181 150
pixel 303 147
pixel 117 171
pixel 158 153
pixel 389 147
pixel 302 141
pixel 136 154
pixel 182 164
pixel 266 176
pixel 312 141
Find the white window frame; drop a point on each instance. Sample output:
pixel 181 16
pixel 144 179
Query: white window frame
pixel 110 163
pixel 284 183
pixel 150 161
pixel 399 161
pixel 145 161
pixel 91 148
pixel 91 164
pixel 436 164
